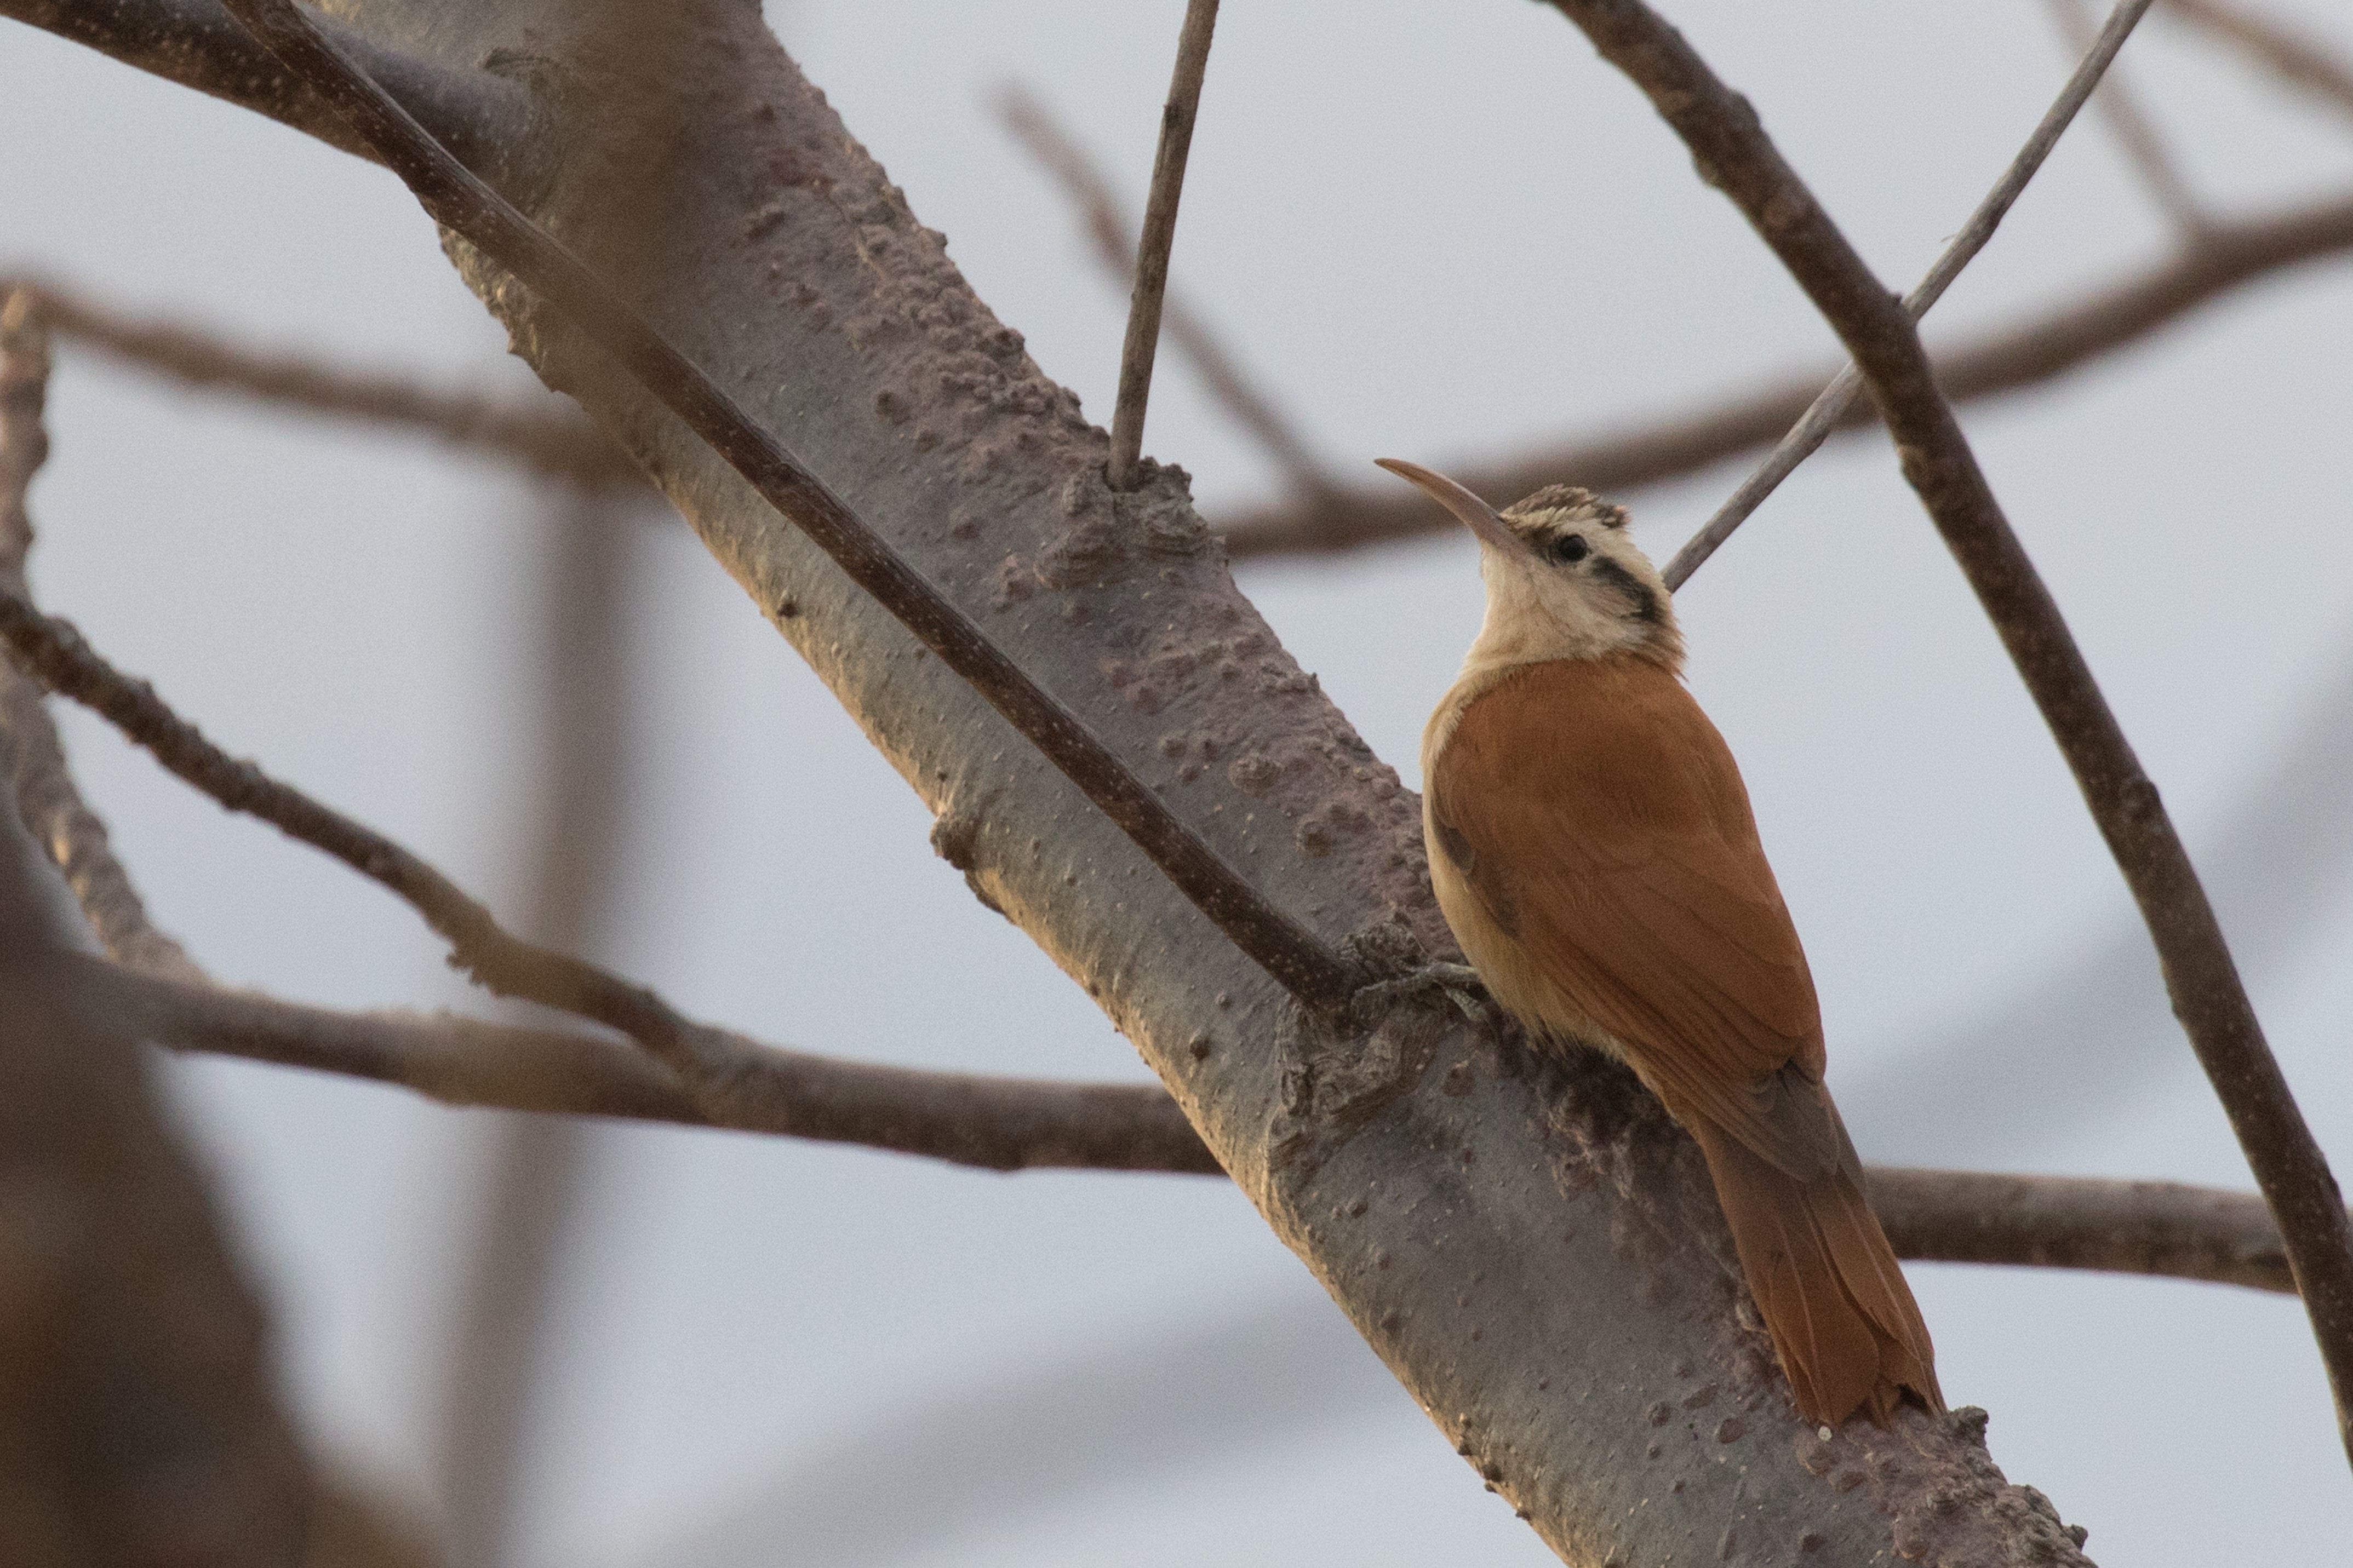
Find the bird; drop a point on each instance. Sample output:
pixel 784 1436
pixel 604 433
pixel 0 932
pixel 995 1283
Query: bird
pixel 1592 845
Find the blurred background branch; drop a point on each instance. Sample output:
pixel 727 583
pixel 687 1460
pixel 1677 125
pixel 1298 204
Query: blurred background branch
pixel 2314 67
pixel 547 435
pixel 2135 131
pixel 2227 256
pixel 538 1169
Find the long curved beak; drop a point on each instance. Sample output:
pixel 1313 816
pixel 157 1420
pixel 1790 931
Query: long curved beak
pixel 1469 510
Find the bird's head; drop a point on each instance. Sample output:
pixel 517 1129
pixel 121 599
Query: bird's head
pixel 1565 579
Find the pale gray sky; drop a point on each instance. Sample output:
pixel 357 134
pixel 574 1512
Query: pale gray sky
pixel 1438 231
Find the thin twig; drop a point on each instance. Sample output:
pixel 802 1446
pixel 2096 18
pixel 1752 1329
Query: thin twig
pixel 2024 354
pixel 1808 435
pixel 2135 131
pixel 34 759
pixel 1274 940
pixel 2295 58
pixel 1061 155
pixel 558 443
pixel 1725 138
pixel 965 1119
pixel 2158 1228
pixel 1143 339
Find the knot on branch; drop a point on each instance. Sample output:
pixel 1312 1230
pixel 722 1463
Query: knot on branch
pixel 955 838
pixel 1106 530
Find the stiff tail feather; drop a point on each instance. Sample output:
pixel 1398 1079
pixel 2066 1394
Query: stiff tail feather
pixel 1848 1333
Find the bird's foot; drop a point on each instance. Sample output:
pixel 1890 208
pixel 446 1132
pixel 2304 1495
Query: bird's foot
pixel 1458 983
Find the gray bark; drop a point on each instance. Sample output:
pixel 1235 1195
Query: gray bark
pixel 1533 1249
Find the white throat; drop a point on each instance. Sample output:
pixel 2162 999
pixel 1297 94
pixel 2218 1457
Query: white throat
pixel 1535 614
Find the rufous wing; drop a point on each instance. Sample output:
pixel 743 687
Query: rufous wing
pixel 1597 815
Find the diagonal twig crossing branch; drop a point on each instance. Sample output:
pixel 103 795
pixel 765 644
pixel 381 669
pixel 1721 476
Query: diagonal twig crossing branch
pixel 1004 1123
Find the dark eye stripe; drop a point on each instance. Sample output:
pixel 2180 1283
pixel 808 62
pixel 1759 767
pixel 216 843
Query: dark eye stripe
pixel 1645 604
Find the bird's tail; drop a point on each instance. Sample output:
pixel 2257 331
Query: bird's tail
pixel 1848 1333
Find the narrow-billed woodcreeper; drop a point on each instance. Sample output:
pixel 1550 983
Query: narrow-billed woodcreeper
pixel 1592 845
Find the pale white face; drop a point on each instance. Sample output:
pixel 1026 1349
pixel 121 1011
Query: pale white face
pixel 1566 581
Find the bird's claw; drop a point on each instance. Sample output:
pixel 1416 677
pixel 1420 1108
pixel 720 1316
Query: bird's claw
pixel 1459 982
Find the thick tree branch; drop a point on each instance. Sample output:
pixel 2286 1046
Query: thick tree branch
pixel 2228 256
pixel 1059 153
pixel 1142 340
pixel 552 441
pixel 1732 149
pixel 1275 939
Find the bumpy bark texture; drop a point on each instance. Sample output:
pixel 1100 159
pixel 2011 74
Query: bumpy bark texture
pixel 1534 1250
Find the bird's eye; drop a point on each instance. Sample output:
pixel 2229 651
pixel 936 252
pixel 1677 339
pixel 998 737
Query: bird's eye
pixel 1569 548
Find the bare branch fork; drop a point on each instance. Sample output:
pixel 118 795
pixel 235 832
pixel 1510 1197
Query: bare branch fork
pixel 1807 436
pixel 455 197
pixel 1143 338
pixel 723 1077
pixel 2154 1228
pixel 1728 141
